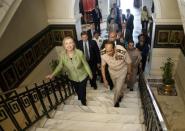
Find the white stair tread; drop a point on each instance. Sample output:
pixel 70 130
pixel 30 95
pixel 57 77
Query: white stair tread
pixel 69 125
pixel 99 114
pixel 106 103
pixel 100 109
pixel 98 117
pixel 106 98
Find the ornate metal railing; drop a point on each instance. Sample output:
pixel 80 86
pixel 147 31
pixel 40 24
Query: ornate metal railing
pixel 154 121
pixel 20 109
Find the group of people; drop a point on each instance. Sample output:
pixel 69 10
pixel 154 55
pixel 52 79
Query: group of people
pixel 115 63
pixel 121 23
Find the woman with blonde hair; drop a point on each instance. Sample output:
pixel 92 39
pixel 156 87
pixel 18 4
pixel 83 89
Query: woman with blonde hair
pixel 76 67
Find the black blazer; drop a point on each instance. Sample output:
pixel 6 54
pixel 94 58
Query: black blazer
pixel 130 22
pixel 93 50
pixel 95 15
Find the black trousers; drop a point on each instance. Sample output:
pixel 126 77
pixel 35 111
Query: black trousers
pixel 80 89
pixel 144 25
pixel 97 27
pixel 107 75
pixel 93 67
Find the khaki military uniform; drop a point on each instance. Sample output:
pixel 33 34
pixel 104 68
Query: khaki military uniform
pixel 117 68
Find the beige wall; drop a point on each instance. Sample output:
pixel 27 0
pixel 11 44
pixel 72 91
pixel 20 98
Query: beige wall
pixel 43 69
pixel 159 56
pixel 29 19
pixel 181 4
pixel 167 12
pixel 60 9
pixel 180 75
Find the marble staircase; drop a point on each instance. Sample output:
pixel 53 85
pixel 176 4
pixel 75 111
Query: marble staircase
pixel 99 114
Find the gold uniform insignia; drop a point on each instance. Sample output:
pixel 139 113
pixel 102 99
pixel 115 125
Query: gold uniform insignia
pixel 121 51
pixel 102 52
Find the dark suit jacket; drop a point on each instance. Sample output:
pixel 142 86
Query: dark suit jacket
pixel 93 50
pixel 130 22
pixel 117 43
pixel 95 15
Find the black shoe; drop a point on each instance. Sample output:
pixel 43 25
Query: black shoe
pixel 120 99
pixel 95 87
pixel 111 87
pixel 84 103
pixel 117 104
pixel 131 89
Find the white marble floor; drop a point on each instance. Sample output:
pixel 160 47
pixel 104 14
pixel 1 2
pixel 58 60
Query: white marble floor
pixel 99 114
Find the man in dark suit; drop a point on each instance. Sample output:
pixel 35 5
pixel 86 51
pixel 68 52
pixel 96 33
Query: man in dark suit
pixel 130 22
pixel 112 37
pixel 97 18
pixel 92 54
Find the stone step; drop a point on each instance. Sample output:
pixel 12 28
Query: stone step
pixel 101 109
pixel 106 97
pixel 105 103
pixel 69 125
pixel 98 117
pixel 111 94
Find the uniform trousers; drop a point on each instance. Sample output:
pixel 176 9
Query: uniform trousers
pixel 119 84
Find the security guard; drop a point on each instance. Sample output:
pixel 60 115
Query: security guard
pixel 119 63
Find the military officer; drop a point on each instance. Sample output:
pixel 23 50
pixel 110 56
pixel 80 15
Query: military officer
pixel 119 64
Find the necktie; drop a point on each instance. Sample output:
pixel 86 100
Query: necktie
pixel 97 13
pixel 128 16
pixel 86 51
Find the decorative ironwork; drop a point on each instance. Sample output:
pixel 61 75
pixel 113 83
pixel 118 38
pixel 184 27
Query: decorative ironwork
pixel 32 104
pixel 154 121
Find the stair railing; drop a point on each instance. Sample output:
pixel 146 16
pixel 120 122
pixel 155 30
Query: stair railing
pixel 20 109
pixel 153 118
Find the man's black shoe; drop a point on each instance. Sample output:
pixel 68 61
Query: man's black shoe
pixel 95 87
pixel 84 103
pixel 117 104
pixel 120 99
pixel 111 87
pixel 131 89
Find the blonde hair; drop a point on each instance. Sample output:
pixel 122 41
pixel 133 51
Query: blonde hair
pixel 68 38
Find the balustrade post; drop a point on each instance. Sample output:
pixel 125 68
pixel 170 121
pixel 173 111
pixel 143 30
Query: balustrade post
pixel 46 88
pixel 23 110
pixel 54 93
pixel 10 114
pixel 59 89
pixel 32 102
pixel 42 102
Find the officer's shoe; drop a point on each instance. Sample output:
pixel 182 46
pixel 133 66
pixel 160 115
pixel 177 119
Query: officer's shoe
pixel 111 88
pixel 95 87
pixel 120 99
pixel 84 103
pixel 117 104
pixel 131 89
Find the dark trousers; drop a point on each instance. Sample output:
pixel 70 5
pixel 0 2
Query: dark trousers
pixel 143 61
pixel 107 75
pixel 144 25
pixel 97 27
pixel 80 89
pixel 93 67
pixel 130 33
